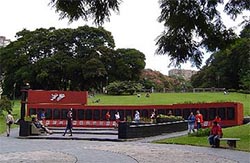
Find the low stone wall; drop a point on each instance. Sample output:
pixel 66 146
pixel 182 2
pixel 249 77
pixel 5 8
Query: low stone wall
pixel 127 130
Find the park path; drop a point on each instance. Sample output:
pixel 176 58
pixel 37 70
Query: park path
pixel 14 149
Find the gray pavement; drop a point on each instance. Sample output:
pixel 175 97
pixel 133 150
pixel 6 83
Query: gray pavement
pixel 98 134
pixel 79 149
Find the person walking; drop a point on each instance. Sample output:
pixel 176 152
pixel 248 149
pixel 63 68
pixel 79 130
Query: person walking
pixel 191 121
pixel 9 121
pixel 69 122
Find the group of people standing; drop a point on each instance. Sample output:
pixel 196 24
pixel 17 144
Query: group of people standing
pixel 117 117
pixel 192 119
pixel 198 120
pixel 215 131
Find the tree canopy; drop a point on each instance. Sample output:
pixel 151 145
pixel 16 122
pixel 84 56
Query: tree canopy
pixel 67 59
pixel 99 10
pixel 229 68
pixel 183 19
pixel 186 19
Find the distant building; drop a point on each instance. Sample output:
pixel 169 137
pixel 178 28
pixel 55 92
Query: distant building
pixel 186 74
pixel 3 41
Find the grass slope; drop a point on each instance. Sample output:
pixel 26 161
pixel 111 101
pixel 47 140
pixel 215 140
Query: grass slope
pixel 242 132
pixel 171 98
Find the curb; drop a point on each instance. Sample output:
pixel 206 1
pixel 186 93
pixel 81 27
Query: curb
pixel 70 138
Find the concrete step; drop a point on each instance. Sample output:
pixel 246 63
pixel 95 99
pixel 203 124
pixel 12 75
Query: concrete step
pixel 93 131
pixel 88 132
pixel 84 128
pixel 74 137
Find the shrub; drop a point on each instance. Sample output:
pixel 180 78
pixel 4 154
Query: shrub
pixel 129 119
pixel 5 105
pixel 161 118
pixel 145 120
pixel 243 91
pixel 125 87
pixel 232 90
pixel 29 118
pixel 201 133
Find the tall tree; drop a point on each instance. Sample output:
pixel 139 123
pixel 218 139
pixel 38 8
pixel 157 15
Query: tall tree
pixel 186 19
pixel 53 59
pixel 227 68
pixel 99 10
pixel 127 64
pixel 183 19
pixel 75 59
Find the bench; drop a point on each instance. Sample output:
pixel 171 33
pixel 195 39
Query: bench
pixel 230 141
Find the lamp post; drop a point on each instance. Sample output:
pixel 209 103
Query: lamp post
pixel 107 81
pixel 218 81
pixel 14 94
pixel 24 97
pixel 24 126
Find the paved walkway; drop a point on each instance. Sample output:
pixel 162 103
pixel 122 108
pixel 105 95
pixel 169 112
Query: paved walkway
pixel 13 149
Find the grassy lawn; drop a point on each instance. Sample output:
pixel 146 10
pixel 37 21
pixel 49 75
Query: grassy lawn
pixel 171 98
pixel 15 113
pixel 242 132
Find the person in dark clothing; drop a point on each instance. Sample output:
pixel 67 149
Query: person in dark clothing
pixel 69 123
pixel 36 122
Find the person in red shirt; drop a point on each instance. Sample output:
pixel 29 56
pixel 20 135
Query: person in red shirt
pixel 217 119
pixel 215 134
pixel 198 119
pixel 107 116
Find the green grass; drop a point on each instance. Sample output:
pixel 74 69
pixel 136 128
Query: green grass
pixel 15 113
pixel 171 98
pixel 242 132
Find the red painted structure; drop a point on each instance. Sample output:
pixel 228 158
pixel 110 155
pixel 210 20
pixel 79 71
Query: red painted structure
pixel 57 103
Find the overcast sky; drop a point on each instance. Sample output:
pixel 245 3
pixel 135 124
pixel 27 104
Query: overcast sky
pixel 135 26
